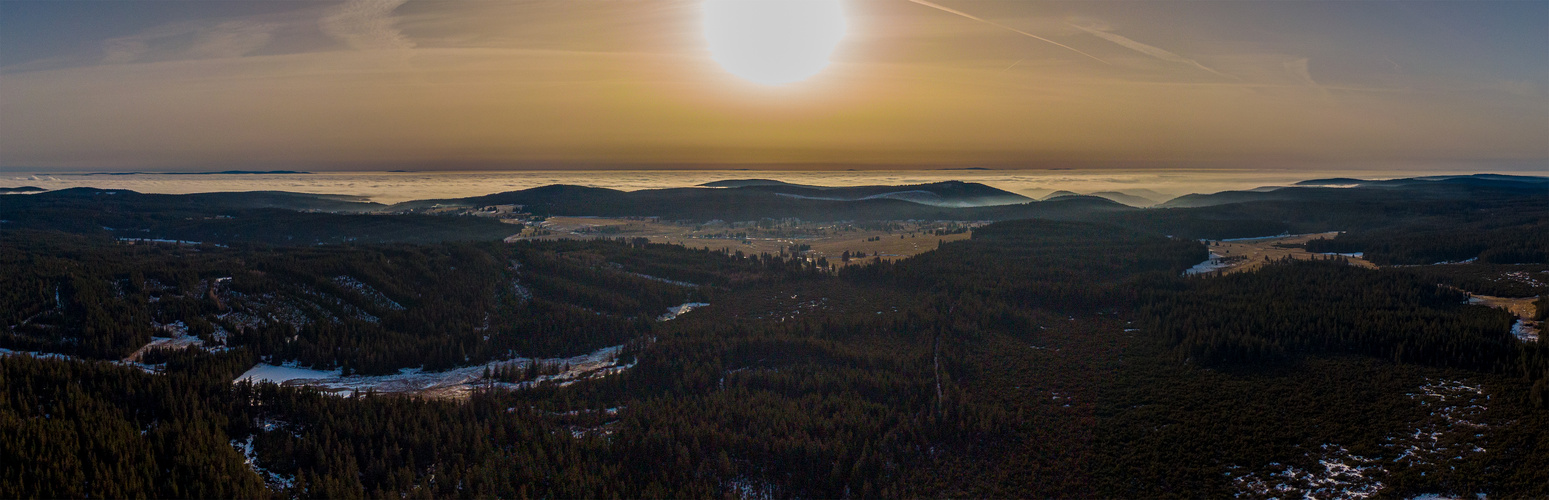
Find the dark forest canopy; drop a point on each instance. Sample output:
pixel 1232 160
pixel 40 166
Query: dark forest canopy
pixel 1043 358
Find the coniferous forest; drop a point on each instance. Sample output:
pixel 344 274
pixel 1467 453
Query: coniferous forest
pixel 774 249
pixel 1038 358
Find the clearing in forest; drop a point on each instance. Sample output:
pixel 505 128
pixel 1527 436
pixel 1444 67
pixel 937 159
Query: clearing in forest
pixel 888 240
pixel 1248 254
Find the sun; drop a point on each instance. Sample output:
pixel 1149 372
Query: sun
pixel 773 42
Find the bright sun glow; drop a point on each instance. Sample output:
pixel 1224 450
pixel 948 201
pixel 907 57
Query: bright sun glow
pixel 773 42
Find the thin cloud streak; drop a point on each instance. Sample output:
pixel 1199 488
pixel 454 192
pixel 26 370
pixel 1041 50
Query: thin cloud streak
pixel 1002 26
pixel 366 25
pixel 232 39
pixel 1156 52
pixel 1299 69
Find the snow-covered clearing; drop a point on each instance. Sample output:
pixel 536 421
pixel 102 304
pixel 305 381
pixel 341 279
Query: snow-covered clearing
pixel 281 374
pixel 453 384
pixel 1211 265
pixel 1524 330
pixel 674 312
pixel 39 355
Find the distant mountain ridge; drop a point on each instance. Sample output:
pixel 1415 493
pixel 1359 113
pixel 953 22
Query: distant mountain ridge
pixel 738 183
pixel 1433 187
pixel 1472 179
pixel 942 194
pixel 287 218
pixel 268 217
pixel 1114 196
pixel 751 200
pixel 222 172
pixel 1126 198
pixel 229 200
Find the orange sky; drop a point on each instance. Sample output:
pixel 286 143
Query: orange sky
pixel 368 84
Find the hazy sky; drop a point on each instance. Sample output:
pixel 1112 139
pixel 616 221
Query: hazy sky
pixel 424 84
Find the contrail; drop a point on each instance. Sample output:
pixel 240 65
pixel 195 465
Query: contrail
pixel 1013 65
pixel 1156 52
pixel 1004 27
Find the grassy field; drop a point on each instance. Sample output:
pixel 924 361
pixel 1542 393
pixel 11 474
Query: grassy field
pixel 1520 306
pixel 888 241
pixel 1252 254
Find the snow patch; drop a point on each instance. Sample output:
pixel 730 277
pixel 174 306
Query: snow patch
pixel 1525 330
pixel 454 383
pixel 1213 264
pixel 264 372
pixel 1342 475
pixel 272 480
pixel 39 355
pixel 684 284
pixel 1449 433
pixel 674 312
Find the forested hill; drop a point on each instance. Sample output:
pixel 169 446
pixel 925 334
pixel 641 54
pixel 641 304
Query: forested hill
pixel 267 217
pixel 1345 190
pixel 1401 222
pixel 363 309
pixel 1496 219
pixel 758 200
pixel 955 194
pixel 124 200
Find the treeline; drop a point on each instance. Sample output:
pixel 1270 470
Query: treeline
pixel 1501 280
pixel 1295 308
pixel 94 430
pixel 1516 239
pixel 1062 266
